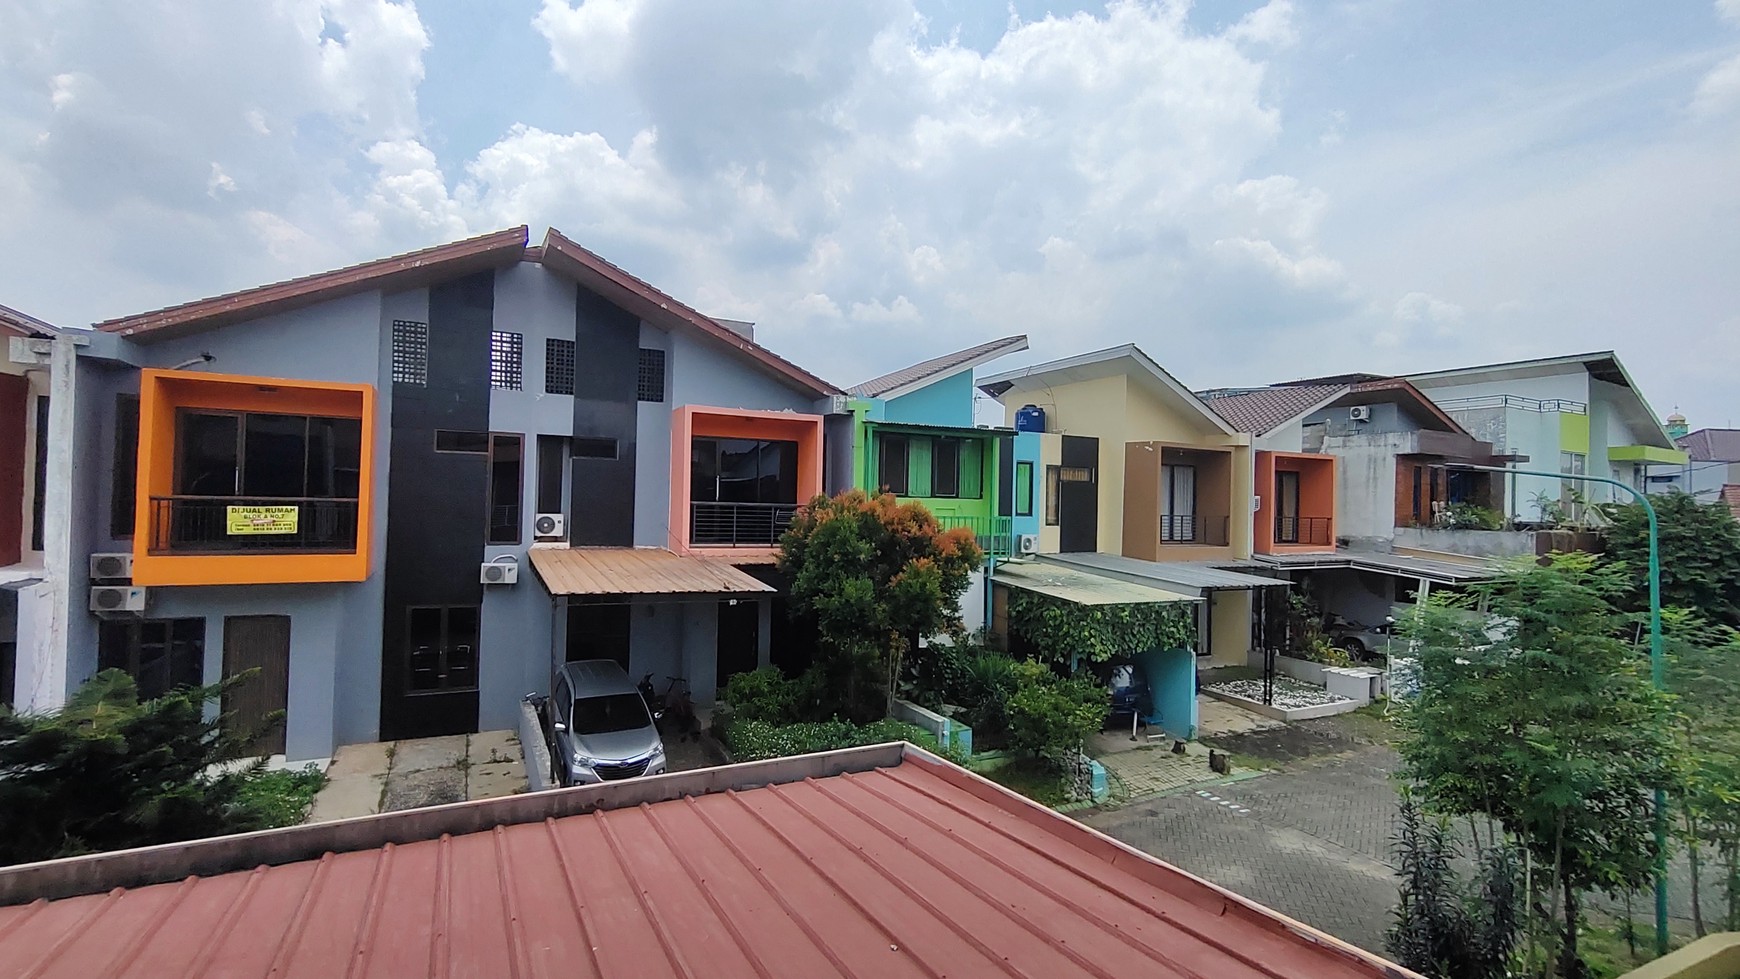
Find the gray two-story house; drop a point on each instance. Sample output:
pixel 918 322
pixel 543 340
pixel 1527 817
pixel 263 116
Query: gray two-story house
pixel 404 491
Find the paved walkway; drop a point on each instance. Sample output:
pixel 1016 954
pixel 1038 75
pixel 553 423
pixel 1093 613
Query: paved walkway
pixel 386 776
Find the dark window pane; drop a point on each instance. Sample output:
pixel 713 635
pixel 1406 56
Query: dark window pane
pixel 945 467
pixel 126 476
pixel 1024 489
pixel 704 471
pixel 39 478
pixel 423 629
pixel 504 489
pixel 739 461
pixel 461 647
pixel 206 461
pixel 551 460
pixel 615 712
pixel 274 455
pixel 334 458
pixel 891 464
pixel 587 447
pixel 784 487
pixel 446 441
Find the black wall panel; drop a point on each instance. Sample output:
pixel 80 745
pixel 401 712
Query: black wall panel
pixel 607 340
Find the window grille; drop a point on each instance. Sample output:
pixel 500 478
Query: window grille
pixel 410 352
pixel 558 366
pixel 506 354
pixel 650 384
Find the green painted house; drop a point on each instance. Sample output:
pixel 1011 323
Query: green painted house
pixel 914 435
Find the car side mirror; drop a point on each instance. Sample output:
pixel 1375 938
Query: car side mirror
pixel 658 715
pixel 559 728
pixel 1389 620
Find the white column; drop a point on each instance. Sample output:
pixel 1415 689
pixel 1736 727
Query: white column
pixel 43 609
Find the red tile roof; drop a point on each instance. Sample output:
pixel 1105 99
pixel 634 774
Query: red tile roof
pixel 1265 409
pixel 1731 496
pixel 903 865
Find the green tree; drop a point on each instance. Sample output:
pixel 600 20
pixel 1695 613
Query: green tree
pixel 1443 927
pixel 1704 675
pixel 1049 716
pixel 1071 634
pixel 877 575
pixel 1700 554
pixel 1551 729
pixel 108 772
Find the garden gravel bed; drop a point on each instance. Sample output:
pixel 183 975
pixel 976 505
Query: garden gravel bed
pixel 1292 699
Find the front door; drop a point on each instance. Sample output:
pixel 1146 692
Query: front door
pixel 1078 494
pixel 256 706
pixel 739 638
pixel 435 692
pixel 1286 507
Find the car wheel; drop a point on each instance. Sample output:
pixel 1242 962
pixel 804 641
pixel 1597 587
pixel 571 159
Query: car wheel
pixel 1354 647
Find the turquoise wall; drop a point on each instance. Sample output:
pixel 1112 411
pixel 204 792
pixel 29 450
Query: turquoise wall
pixel 946 402
pixel 1027 450
pixel 1171 676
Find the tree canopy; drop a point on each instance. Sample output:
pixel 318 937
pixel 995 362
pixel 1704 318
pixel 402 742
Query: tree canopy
pixel 1700 554
pixel 877 575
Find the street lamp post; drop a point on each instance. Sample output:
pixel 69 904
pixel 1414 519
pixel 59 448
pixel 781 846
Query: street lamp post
pixel 1657 669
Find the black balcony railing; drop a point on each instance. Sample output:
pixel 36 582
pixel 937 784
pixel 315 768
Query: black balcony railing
pixel 738 524
pixel 1193 529
pixel 1304 530
pixel 242 524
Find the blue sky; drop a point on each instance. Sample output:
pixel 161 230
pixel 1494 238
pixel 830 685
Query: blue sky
pixel 1250 190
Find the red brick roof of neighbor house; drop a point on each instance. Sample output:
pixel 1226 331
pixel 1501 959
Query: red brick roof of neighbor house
pixel 883 862
pixel 1731 496
pixel 1712 444
pixel 1265 409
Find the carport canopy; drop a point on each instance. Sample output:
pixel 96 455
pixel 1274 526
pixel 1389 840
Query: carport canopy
pixel 1191 578
pixel 573 571
pixel 1083 587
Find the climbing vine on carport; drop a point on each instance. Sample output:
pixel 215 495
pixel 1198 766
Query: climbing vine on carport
pixel 1065 631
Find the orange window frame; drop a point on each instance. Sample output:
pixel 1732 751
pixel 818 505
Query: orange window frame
pixel 163 393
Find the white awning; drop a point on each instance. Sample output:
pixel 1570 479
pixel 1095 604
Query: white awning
pixel 1082 587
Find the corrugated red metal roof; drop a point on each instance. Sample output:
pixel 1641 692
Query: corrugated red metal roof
pixel 915 868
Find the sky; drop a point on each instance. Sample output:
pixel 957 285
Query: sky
pixel 1250 191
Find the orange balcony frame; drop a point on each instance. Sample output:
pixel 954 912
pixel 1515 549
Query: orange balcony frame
pixel 162 393
pixel 1316 501
pixel 690 422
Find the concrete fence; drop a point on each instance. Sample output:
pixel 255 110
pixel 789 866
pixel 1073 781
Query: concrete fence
pixel 535 752
pixel 947 731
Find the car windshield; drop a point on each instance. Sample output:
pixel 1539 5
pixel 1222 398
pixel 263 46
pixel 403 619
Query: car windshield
pixel 613 712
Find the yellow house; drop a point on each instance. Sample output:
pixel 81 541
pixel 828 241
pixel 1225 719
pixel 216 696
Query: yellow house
pixel 1141 480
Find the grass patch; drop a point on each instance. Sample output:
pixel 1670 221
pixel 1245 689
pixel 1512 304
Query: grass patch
pixel 1370 723
pixel 1033 779
pixel 281 798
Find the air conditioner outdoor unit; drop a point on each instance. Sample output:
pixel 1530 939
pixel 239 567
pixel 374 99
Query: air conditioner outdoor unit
pixel 1359 413
pixel 499 572
pixel 1029 544
pixel 112 565
pixel 549 526
pixel 107 599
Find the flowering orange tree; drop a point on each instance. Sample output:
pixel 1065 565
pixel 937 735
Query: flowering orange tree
pixel 876 574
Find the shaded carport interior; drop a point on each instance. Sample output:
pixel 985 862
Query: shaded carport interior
pixel 676 612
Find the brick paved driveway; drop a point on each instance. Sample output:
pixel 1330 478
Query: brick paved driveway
pixel 1312 845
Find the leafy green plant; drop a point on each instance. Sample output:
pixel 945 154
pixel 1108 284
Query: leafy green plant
pixel 1700 554
pixel 1049 716
pixel 763 694
pixel 941 674
pixel 1470 516
pixel 1068 633
pixel 281 798
pixel 876 574
pixel 109 771
pixel 1443 928
pixel 1552 729
pixel 753 740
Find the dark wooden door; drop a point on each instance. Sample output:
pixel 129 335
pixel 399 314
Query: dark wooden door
pixel 1078 492
pixel 257 705
pixel 739 639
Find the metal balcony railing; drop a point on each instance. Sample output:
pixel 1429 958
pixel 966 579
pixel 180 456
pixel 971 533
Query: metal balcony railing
pixel 738 524
pixel 1304 530
pixel 994 533
pixel 1193 529
pixel 243 524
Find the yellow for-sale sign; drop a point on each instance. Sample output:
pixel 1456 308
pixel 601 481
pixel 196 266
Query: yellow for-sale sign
pixel 262 519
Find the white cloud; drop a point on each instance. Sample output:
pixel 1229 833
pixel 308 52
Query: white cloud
pixel 219 180
pixel 1719 92
pixel 1270 24
pixel 1729 10
pixel 901 310
pixel 587 39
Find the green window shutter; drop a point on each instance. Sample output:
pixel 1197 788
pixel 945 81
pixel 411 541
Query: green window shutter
pixel 1024 489
pixel 918 482
pixel 972 469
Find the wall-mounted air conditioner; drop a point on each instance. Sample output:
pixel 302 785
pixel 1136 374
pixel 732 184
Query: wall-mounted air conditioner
pixel 111 566
pixel 1359 413
pixel 1028 544
pixel 502 571
pixel 117 599
pixel 549 526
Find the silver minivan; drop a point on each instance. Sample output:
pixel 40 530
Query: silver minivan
pixel 600 728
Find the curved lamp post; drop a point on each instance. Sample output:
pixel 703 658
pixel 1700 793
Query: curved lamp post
pixel 1657 668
